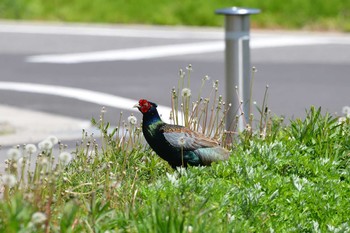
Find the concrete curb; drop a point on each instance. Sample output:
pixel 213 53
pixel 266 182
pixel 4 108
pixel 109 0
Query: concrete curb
pixel 20 126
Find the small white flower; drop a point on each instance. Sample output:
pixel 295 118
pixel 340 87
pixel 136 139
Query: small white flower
pixel 189 67
pixel 189 229
pixel 206 78
pixel 65 158
pixel 8 180
pixel 132 120
pixel 45 145
pixel 172 178
pixel 30 148
pixel 13 154
pixel 186 92
pixel 53 139
pixel 182 171
pixel 299 183
pixel 38 218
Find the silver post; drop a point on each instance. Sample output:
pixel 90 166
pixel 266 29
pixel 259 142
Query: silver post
pixel 237 58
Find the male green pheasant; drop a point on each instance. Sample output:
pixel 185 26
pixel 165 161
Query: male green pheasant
pixel 176 144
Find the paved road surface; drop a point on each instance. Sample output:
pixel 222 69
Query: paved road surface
pixel 71 71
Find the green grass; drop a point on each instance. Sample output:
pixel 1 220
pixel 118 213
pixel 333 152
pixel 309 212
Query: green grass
pixel 296 179
pixel 281 177
pixel 296 14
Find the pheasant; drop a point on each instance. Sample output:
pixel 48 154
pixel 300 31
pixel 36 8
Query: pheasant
pixel 176 144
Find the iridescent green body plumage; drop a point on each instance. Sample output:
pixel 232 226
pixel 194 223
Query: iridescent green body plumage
pixel 176 144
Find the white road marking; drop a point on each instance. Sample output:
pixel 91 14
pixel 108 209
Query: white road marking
pixel 167 50
pixel 131 54
pixel 95 97
pixel 139 32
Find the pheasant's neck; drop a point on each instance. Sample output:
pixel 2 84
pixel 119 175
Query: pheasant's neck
pixel 151 118
pixel 151 123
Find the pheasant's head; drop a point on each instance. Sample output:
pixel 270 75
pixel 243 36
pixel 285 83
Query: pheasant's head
pixel 145 106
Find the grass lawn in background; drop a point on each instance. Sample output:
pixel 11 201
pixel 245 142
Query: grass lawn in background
pixel 296 14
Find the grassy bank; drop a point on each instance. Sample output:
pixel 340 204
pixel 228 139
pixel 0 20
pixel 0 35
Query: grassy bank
pixel 296 179
pixel 281 177
pixel 297 14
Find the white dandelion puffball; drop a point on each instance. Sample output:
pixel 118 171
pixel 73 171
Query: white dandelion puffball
pixel 45 145
pixel 132 120
pixel 8 180
pixel 181 141
pixel 186 92
pixel 30 148
pixel 13 154
pixel 346 111
pixel 44 162
pixel 65 157
pixel 53 139
pixel 38 218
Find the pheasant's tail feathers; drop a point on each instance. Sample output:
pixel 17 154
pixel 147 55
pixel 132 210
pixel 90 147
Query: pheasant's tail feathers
pixel 209 155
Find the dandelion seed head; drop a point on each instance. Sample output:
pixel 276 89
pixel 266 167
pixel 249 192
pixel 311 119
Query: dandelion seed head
pixel 53 139
pixel 341 119
pixel 21 161
pixel 65 157
pixel 132 120
pixel 13 154
pixel 45 145
pixel 182 141
pixel 44 162
pixel 206 78
pixel 30 148
pixel 346 111
pixel 8 180
pixel 254 69
pixel 38 218
pixel 186 92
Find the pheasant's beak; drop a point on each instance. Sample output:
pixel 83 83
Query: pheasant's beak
pixel 137 106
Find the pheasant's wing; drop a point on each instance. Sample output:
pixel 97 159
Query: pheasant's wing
pixel 181 137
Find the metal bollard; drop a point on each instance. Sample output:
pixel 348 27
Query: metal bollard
pixel 237 59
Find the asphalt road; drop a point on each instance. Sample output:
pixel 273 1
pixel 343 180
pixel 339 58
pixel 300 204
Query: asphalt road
pixel 301 69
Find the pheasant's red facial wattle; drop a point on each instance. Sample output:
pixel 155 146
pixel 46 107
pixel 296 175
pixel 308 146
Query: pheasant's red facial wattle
pixel 144 105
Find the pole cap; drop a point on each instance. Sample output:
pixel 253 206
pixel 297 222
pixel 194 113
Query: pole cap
pixel 237 11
